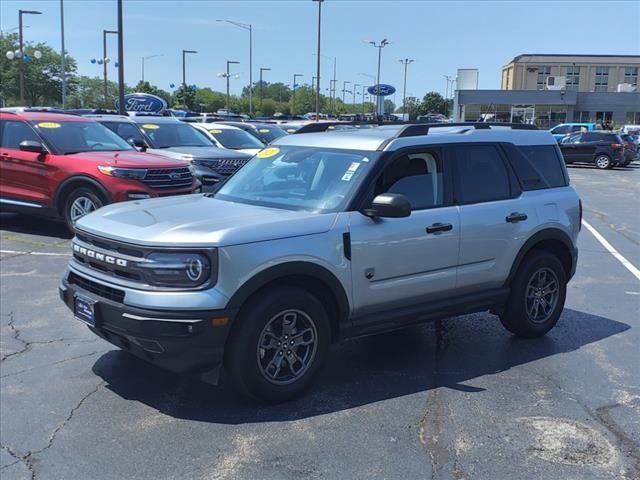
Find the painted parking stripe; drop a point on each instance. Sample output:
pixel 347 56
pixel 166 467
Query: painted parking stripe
pixel 609 248
pixel 44 254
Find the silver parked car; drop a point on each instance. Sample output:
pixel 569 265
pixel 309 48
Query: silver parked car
pixel 326 236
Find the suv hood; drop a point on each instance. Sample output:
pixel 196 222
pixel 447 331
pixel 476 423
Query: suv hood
pixel 197 220
pixel 198 153
pixel 130 159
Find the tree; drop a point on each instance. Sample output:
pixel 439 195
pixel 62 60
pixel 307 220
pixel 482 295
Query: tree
pixel 146 87
pixel 413 108
pixel 209 100
pixel 42 77
pixel 88 92
pixel 433 102
pixel 185 97
pixel 389 106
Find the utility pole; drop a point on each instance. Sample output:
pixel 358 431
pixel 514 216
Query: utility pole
pixel 62 55
pixel 318 61
pixel 379 97
pixel 293 95
pixel 262 69
pixel 228 75
pixel 120 61
pixel 184 75
pixel 355 86
pixel 21 59
pixel 105 61
pixel 344 89
pixel 406 63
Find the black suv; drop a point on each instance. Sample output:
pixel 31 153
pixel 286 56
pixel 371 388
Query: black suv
pixel 604 149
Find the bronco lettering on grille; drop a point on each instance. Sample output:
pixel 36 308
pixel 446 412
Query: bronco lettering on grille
pixel 100 256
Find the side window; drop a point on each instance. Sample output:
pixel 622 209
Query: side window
pixel 481 175
pixel 591 137
pixel 15 132
pixel 417 176
pixel 539 166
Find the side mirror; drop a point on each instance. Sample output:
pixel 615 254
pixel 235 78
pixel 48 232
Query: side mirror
pixel 139 144
pixel 31 146
pixel 389 205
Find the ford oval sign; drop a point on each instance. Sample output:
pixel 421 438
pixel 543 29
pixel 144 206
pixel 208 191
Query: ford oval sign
pixel 143 102
pixel 382 90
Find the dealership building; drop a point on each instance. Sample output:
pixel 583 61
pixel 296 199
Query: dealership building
pixel 550 89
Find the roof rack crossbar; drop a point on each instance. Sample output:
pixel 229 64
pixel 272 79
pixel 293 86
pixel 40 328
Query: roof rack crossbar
pixel 324 126
pixel 423 128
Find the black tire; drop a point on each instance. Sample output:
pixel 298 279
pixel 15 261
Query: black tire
pixel 517 316
pixel 248 364
pixel 81 193
pixel 603 162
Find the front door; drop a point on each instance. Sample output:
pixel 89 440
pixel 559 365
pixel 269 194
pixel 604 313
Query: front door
pixel 404 261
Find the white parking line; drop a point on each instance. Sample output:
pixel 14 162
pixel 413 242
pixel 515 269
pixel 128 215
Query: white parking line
pixel 45 254
pixel 609 248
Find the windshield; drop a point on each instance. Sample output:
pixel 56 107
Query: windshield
pixel 178 134
pixel 125 130
pixel 299 178
pixel 269 134
pixel 235 139
pixel 76 137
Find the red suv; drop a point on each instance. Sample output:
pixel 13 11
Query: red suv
pixel 67 166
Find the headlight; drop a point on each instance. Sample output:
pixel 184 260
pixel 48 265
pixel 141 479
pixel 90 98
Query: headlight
pixel 177 269
pixel 134 173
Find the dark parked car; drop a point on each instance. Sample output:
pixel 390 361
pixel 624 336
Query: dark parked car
pixel 266 132
pixel 174 139
pixel 631 148
pixel 604 149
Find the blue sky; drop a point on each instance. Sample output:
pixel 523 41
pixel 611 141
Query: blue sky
pixel 440 36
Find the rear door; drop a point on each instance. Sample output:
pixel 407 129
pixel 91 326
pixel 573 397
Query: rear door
pixel 23 175
pixel 494 218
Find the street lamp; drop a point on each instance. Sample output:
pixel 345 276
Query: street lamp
pixel 379 46
pixel 147 58
pixel 227 76
pixel 332 83
pixel 22 55
pixel 344 89
pixel 406 63
pixel 247 26
pixel 318 63
pixel 293 95
pixel 355 86
pixel 363 96
pixel 106 60
pixel 262 69
pixel 184 75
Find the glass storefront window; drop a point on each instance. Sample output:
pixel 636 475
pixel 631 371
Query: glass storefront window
pixel 633 118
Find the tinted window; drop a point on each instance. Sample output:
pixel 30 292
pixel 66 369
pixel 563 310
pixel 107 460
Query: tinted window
pixel 75 137
pixel 15 132
pixel 481 175
pixel 178 134
pixel 417 176
pixel 538 167
pixel 125 130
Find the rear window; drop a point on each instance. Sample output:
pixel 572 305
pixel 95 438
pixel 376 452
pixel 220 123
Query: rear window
pixel 539 166
pixel 601 137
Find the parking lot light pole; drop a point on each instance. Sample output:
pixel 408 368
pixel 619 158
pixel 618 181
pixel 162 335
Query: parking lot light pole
pixel 147 58
pixel 293 95
pixel 363 94
pixel 379 46
pixel 262 69
pixel 63 73
pixel 318 61
pixel 120 60
pixel 228 75
pixel 355 86
pixel 184 75
pixel 344 89
pixel 249 27
pixel 21 39
pixel 105 62
pixel 406 63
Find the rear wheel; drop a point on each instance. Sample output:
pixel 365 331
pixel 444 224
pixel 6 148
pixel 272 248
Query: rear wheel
pixel 278 345
pixel 603 162
pixel 79 202
pixel 537 296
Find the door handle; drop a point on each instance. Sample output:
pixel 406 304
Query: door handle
pixel 439 227
pixel 516 217
pixel 4 154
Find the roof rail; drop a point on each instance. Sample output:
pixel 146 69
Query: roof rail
pixel 324 126
pixel 423 128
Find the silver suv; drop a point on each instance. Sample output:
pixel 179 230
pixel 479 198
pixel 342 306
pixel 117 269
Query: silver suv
pixel 325 236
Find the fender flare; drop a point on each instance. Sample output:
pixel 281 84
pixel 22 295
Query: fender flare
pixel 79 179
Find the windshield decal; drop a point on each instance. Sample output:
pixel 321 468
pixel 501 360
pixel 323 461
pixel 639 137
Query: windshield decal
pixel 353 167
pixel 49 125
pixel 215 131
pixel 264 130
pixel 150 126
pixel 268 152
pixel 347 176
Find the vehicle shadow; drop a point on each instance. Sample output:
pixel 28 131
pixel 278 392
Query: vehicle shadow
pixel 32 225
pixel 359 372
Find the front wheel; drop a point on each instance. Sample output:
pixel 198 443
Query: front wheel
pixel 537 296
pixel 278 345
pixel 79 202
pixel 603 162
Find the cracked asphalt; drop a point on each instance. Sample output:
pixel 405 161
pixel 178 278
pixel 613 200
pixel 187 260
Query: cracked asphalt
pixel 456 399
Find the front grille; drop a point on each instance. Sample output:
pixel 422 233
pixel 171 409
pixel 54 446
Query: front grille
pixel 110 245
pixel 164 178
pixel 97 288
pixel 229 166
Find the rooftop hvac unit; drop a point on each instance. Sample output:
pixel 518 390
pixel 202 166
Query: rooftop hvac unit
pixel 556 83
pixel 626 87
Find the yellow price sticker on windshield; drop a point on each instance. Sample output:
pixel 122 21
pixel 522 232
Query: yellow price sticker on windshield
pixel 150 126
pixel 49 125
pixel 215 131
pixel 291 130
pixel 268 152
pixel 264 130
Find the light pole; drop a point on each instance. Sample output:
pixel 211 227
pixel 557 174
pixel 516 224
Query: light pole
pixel 344 89
pixel 379 46
pixel 147 58
pixel 105 61
pixel 448 79
pixel 184 75
pixel 120 60
pixel 363 112
pixel 293 95
pixel 227 76
pixel 249 27
pixel 20 13
pixel 406 63
pixel 318 62
pixel 355 86
pixel 62 54
pixel 262 69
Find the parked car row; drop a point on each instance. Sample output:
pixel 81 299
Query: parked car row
pixel 603 149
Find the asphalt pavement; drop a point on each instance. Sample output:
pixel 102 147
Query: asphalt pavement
pixel 455 399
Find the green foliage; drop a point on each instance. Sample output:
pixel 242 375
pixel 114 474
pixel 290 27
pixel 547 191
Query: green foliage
pixel 433 102
pixel 389 106
pixel 42 77
pixel 185 97
pixel 146 87
pixel 88 92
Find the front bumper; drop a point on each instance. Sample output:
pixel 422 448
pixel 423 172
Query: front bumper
pixel 208 177
pixel 181 341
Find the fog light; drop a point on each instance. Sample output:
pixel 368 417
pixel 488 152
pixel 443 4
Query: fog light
pixel 138 196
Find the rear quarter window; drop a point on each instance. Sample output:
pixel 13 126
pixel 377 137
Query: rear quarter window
pixel 539 166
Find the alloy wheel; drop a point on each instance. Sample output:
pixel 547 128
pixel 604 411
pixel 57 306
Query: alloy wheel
pixel 80 207
pixel 602 162
pixel 542 295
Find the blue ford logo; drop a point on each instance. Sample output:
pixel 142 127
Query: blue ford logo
pixel 382 89
pixel 143 102
pixel 175 176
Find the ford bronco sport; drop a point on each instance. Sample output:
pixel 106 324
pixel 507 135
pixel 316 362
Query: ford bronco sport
pixel 324 236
